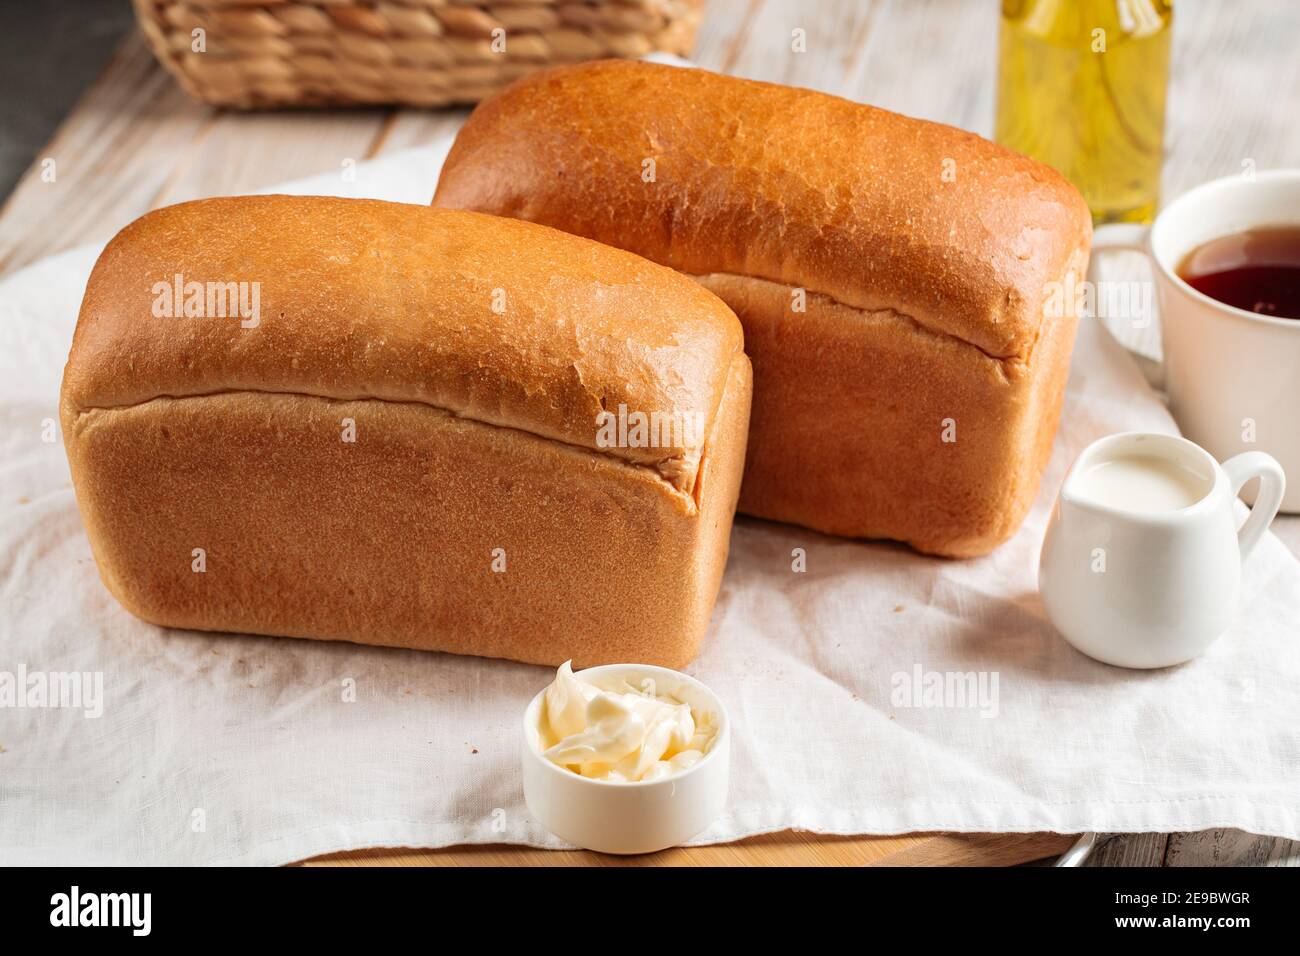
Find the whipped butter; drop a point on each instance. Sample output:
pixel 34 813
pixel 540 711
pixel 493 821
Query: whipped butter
pixel 621 734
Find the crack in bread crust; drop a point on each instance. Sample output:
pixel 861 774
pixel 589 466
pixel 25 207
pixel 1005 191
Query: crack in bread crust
pixel 685 493
pixel 1004 362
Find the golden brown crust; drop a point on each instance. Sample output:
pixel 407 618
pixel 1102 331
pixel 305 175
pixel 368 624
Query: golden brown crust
pixel 364 299
pixel 875 210
pixel 924 255
pixel 392 540
pixel 425 528
pixel 943 446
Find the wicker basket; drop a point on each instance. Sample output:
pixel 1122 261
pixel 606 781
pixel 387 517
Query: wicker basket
pixel 414 52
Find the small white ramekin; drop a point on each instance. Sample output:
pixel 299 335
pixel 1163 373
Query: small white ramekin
pixel 638 817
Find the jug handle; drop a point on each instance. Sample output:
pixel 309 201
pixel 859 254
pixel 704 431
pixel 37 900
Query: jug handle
pixel 1272 486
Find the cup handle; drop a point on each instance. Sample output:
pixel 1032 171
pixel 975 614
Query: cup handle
pixel 1131 237
pixel 1272 486
pixel 1117 235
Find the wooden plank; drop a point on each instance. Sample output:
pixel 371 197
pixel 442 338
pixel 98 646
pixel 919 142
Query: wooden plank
pixel 246 152
pixel 408 128
pixel 1231 90
pixel 112 157
pixel 136 142
pixel 1130 849
pixel 789 848
pixel 866 50
pixel 1230 848
pixel 723 33
pixel 908 39
pixel 759 44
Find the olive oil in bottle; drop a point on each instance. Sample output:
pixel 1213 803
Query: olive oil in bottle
pixel 1081 87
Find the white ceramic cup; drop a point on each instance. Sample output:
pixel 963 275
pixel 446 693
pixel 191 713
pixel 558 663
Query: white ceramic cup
pixel 636 817
pixel 1231 375
pixel 1152 588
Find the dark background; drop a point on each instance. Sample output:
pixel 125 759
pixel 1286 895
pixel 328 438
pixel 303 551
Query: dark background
pixel 50 52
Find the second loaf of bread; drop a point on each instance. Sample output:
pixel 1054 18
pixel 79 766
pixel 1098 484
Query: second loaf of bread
pixel 382 423
pixel 893 277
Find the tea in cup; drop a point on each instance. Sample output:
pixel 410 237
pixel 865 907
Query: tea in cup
pixel 1226 257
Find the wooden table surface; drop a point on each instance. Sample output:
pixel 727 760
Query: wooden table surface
pixel 136 142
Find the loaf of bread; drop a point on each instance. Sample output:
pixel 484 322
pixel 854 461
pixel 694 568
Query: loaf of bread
pixel 390 424
pixel 897 280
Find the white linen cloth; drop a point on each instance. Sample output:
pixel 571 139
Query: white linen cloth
pixel 243 750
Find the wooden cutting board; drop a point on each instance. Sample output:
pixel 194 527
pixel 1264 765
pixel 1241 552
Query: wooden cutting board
pixel 788 848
